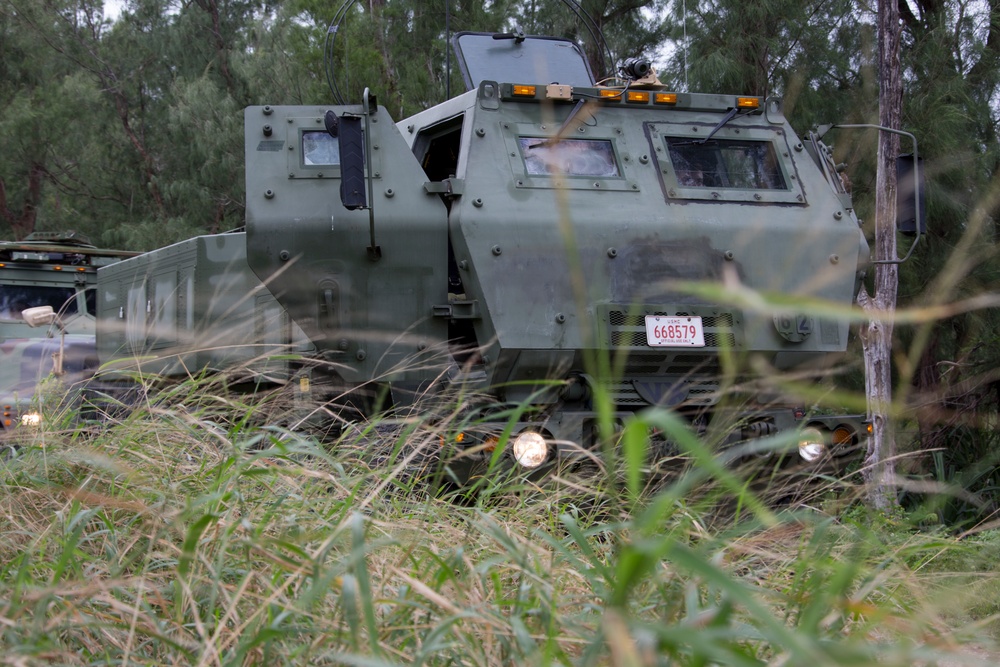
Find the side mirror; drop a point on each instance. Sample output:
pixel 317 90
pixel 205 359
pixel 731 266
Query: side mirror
pixel 353 189
pixel 350 141
pixel 39 316
pixel 910 198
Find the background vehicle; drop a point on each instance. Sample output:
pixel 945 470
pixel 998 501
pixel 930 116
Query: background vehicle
pixel 56 269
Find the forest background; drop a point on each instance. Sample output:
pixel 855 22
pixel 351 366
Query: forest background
pixel 130 131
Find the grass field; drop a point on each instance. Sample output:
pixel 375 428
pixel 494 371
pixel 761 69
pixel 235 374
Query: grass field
pixel 188 534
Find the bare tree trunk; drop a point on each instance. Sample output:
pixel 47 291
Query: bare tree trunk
pixel 876 337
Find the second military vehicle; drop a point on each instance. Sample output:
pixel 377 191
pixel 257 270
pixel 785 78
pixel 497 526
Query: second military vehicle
pixel 58 270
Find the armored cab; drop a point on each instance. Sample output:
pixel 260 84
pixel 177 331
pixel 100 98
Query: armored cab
pixel 508 238
pixel 191 307
pixel 58 270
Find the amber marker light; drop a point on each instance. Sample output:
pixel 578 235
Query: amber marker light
pixel 608 93
pixel 747 102
pixel 638 96
pixel 521 90
pixel 57 268
pixel 843 435
pixel 665 98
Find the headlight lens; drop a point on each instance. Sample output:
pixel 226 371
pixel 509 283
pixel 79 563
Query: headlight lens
pixel 31 419
pixel 812 444
pixel 530 449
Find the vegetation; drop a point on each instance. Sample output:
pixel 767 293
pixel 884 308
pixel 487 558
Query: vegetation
pixel 184 534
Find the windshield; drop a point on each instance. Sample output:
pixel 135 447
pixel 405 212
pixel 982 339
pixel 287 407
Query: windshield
pixel 725 163
pixel 15 298
pixel 570 157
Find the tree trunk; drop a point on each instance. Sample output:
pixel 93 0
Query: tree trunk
pixel 22 222
pixel 876 337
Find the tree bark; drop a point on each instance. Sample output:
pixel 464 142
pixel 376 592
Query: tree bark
pixel 879 471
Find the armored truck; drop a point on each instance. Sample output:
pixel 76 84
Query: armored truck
pixel 58 270
pixel 508 240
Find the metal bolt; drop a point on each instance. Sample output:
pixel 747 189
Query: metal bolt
pixel 284 255
pixel 477 202
pixel 496 250
pixel 269 194
pixel 480 132
pixel 360 355
pixel 560 318
pixel 729 255
pixel 834 259
pixel 612 252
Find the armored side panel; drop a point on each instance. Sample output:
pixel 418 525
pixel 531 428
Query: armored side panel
pixel 191 306
pixel 363 283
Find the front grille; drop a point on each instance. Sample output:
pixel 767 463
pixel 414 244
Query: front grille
pixel 692 392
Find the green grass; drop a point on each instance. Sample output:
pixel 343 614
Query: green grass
pixel 189 533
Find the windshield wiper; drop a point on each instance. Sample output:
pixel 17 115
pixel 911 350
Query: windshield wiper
pixel 729 116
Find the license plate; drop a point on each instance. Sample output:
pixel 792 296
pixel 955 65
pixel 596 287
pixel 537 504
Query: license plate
pixel 674 331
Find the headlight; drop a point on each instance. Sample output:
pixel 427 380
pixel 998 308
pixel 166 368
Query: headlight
pixel 530 449
pixel 812 444
pixel 31 419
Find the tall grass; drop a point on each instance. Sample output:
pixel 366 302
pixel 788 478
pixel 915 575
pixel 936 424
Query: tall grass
pixel 188 533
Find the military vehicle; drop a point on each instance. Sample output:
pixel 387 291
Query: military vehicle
pixel 508 239
pixel 543 240
pixel 58 270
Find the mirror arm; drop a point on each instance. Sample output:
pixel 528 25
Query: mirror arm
pixel 374 250
pixel 823 129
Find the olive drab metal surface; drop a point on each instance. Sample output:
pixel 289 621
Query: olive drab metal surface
pixel 192 306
